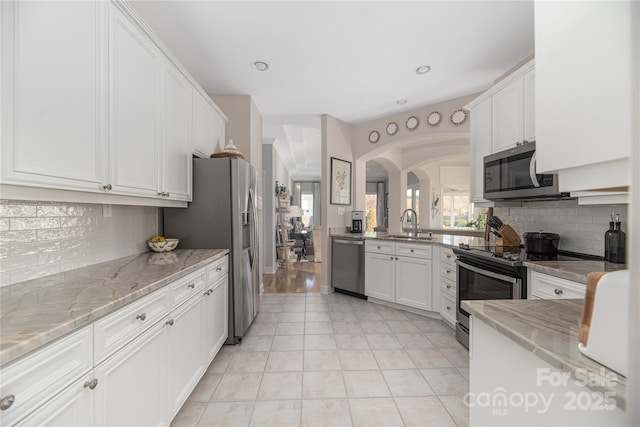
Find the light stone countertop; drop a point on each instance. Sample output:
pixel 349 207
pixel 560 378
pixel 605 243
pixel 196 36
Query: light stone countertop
pixel 573 270
pixel 549 329
pixel 450 240
pixel 35 312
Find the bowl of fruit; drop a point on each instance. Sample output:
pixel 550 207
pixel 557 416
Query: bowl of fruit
pixel 162 244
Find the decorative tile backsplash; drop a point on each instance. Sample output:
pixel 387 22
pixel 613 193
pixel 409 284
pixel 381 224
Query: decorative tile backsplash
pixel 42 238
pixel 581 228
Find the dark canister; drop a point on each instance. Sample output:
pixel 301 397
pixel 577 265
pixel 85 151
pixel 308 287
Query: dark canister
pixel 538 242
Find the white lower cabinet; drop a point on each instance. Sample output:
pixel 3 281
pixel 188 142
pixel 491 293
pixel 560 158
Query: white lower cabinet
pixel 399 272
pixel 544 286
pixel 74 407
pixel 132 384
pixel 448 287
pixel 144 366
pixel 185 362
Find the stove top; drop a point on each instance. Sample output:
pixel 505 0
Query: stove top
pixel 514 256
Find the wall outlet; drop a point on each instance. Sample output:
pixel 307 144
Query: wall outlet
pixel 106 211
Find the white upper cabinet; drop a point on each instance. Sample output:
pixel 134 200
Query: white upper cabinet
pixel 53 105
pixel 480 135
pixel 586 77
pixel 208 127
pixel 175 174
pixel 508 116
pixel 134 88
pixel 529 86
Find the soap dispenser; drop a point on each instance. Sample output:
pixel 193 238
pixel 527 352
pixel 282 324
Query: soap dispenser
pixel 619 257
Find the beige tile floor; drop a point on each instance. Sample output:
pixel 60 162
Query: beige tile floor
pixel 313 360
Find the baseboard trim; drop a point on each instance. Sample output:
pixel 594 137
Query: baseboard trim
pixel 326 289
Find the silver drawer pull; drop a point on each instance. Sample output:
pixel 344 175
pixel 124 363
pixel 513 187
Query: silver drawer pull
pixel 142 316
pixel 218 268
pixel 411 250
pixel 448 307
pixel 558 291
pixel 107 187
pixel 378 247
pixel 448 271
pixel 448 256
pixel 191 286
pixel 448 286
pixel 91 384
pixel 6 402
pixel 391 257
pixel 169 322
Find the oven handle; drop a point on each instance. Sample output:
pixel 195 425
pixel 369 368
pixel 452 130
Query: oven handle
pixel 513 280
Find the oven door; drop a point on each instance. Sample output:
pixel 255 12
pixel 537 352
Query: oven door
pixel 477 283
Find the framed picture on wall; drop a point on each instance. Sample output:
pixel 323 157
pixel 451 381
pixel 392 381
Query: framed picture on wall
pixel 340 182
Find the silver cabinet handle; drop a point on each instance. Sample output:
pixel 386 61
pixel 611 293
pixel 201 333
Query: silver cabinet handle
pixel 142 316
pixel 191 286
pixel 448 286
pixel 411 250
pixel 160 193
pixel 378 247
pixel 448 271
pixel 91 384
pixel 448 307
pixel 167 194
pixel 169 322
pixel 107 187
pixel 6 402
pixel 391 258
pixel 396 258
pixel 557 291
pixel 218 268
pixel 448 256
pixel 518 143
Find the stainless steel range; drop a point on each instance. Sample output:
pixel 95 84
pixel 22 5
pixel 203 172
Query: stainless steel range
pixel 485 273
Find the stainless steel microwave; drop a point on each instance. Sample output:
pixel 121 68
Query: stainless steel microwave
pixel 511 174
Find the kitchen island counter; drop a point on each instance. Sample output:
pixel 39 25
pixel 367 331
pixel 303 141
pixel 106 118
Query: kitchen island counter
pixel 38 311
pixel 449 240
pixel 549 329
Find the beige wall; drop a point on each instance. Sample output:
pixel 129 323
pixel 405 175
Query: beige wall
pixel 337 137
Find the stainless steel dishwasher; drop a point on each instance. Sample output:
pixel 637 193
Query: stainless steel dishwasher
pixel 347 266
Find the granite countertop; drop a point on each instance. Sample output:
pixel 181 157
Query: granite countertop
pixel 450 240
pixel 35 312
pixel 572 270
pixel 549 329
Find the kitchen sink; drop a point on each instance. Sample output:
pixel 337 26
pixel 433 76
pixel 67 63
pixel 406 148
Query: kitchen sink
pixel 410 236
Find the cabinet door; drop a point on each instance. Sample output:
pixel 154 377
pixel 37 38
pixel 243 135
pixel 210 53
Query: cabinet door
pixel 73 407
pixel 175 174
pixel 529 82
pixel 134 108
pixel 53 100
pixel 448 307
pixel 380 276
pixel 132 384
pixel 413 282
pixel 583 112
pixel 480 133
pixel 507 116
pixel 184 351
pixel 203 126
pixel 215 321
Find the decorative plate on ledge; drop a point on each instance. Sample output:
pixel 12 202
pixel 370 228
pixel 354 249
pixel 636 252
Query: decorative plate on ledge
pixel 434 118
pixel 458 117
pixel 374 136
pixel 412 123
pixel 392 128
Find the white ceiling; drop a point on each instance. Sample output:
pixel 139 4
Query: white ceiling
pixel 352 60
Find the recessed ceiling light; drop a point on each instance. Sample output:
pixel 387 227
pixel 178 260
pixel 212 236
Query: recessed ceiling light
pixel 424 69
pixel 401 101
pixel 260 66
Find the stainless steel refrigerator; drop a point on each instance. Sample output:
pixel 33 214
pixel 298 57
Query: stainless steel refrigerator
pixel 223 214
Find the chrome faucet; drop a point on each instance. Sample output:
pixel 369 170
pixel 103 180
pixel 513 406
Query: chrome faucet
pixel 415 218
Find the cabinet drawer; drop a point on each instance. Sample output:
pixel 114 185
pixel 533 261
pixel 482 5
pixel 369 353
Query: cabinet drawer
pixel 448 307
pixel 448 272
pixel 447 256
pixel 414 250
pixel 38 377
pixel 380 247
pixel 447 286
pixel 549 287
pixel 218 269
pixel 184 288
pixel 117 329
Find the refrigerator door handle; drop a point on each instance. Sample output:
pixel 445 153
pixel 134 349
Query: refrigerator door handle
pixel 252 217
